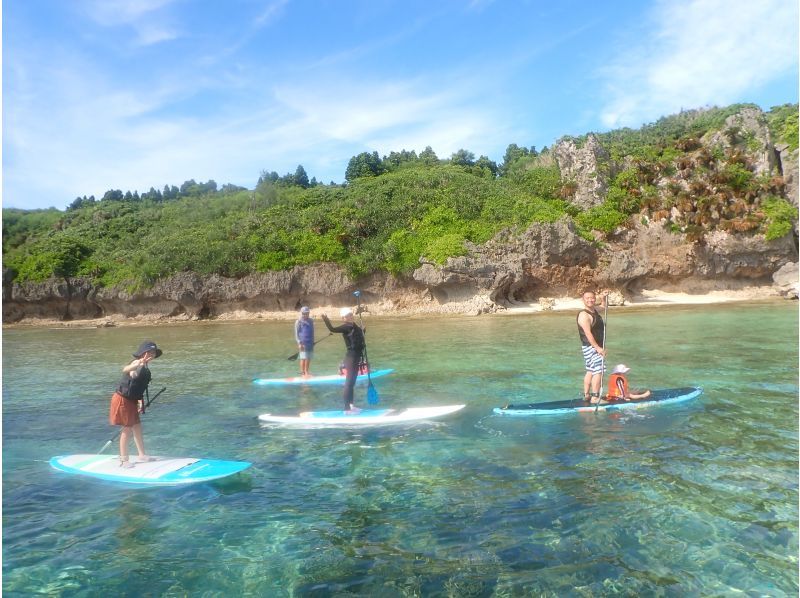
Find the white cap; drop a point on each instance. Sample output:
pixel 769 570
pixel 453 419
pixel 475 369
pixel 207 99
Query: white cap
pixel 621 369
pixel 345 311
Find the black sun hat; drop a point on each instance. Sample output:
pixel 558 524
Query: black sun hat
pixel 148 346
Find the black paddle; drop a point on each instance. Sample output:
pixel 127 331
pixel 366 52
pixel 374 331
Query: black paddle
pixel 149 401
pixel 372 394
pixel 294 357
pixel 605 334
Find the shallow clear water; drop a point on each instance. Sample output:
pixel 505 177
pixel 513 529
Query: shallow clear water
pixel 692 499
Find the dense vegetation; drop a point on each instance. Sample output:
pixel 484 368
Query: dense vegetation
pixel 398 208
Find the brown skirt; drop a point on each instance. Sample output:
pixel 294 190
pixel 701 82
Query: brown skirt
pixel 123 412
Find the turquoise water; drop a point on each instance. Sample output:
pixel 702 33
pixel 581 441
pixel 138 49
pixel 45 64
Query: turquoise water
pixel 696 499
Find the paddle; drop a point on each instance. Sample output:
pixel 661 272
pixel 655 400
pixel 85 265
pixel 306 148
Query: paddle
pixel 149 401
pixel 294 357
pixel 372 394
pixel 605 334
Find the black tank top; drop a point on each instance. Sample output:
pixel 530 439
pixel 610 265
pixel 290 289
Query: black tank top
pixel 598 329
pixel 134 388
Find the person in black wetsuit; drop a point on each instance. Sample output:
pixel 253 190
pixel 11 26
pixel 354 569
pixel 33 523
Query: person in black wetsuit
pixel 591 330
pixel 354 343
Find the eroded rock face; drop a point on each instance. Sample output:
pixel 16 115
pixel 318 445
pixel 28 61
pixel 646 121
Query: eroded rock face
pixel 748 127
pixel 787 280
pixel 789 170
pixel 589 167
pixel 545 261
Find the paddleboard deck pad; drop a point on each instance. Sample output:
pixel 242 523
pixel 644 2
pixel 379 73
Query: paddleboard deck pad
pixel 364 417
pixel 314 380
pixel 162 471
pixel 657 397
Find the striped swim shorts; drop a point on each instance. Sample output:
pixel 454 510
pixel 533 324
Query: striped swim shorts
pixel 593 360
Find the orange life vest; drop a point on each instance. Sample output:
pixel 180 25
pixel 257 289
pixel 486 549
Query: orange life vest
pixel 617 386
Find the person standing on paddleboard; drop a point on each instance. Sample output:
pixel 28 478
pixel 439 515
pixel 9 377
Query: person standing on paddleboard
pixel 304 335
pixel 591 330
pixel 128 401
pixel 354 343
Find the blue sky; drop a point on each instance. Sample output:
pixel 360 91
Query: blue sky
pixel 133 94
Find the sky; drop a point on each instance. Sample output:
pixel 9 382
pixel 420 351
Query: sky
pixel 133 94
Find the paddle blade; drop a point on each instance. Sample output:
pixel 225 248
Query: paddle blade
pixel 372 395
pixel 293 357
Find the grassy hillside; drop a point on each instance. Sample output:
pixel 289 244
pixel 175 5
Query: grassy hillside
pixel 387 221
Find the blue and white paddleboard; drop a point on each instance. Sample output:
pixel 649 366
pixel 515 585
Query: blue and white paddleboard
pixel 365 417
pixel 657 397
pixel 313 380
pixel 162 471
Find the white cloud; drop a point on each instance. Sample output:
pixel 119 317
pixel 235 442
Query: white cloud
pixel 97 137
pixel 271 12
pixel 701 52
pixel 146 17
pixel 393 115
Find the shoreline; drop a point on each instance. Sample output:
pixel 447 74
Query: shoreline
pixel 477 306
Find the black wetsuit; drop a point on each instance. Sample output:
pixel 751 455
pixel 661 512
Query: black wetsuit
pixel 354 343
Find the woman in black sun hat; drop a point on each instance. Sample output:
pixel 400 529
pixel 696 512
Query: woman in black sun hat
pixel 128 401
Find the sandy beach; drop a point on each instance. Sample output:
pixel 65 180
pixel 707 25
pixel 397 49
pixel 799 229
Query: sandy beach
pixel 476 306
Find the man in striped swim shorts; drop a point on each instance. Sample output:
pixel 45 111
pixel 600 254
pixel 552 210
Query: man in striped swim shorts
pixel 591 330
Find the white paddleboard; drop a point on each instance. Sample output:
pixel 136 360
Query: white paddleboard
pixel 318 380
pixel 365 417
pixel 162 471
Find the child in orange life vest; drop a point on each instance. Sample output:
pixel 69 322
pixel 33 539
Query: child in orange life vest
pixel 618 386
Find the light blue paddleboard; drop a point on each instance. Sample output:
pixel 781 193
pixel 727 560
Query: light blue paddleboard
pixel 364 417
pixel 657 397
pixel 313 380
pixel 162 471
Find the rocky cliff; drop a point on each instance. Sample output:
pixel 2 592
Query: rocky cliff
pixel 545 262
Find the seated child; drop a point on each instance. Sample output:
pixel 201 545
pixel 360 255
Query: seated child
pixel 618 386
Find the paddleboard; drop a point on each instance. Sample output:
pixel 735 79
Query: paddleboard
pixel 163 471
pixel 657 397
pixel 365 417
pixel 313 380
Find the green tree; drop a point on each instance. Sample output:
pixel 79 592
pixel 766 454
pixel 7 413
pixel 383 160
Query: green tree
pixel 397 159
pixel 364 164
pixel 113 195
pixel 485 163
pixel 428 156
pixel 462 158
pixel 300 177
pixel 513 153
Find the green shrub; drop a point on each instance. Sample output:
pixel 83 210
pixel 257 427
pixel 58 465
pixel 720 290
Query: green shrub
pixel 783 124
pixel 605 218
pixel 780 217
pixel 57 255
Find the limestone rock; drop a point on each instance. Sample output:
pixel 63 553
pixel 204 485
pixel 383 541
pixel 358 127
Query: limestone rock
pixel 787 280
pixel 587 166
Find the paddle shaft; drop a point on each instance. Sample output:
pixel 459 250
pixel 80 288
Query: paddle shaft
pixel 149 402
pixel 294 357
pixel 605 334
pixel 372 394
